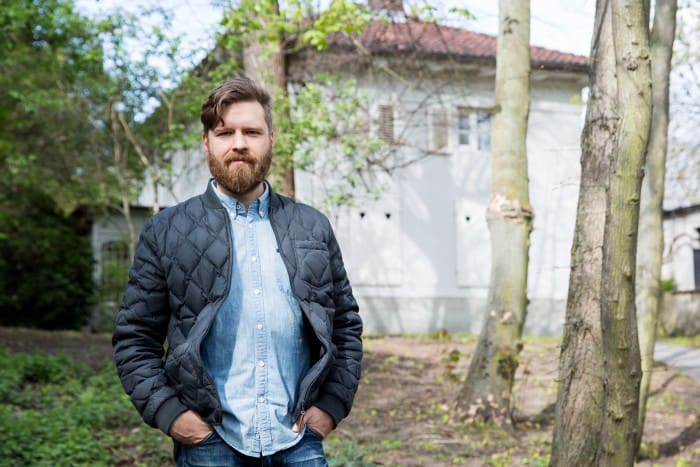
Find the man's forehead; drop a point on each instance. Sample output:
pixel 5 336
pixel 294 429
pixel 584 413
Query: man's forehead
pixel 245 111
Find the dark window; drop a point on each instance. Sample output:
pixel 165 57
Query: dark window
pixel 115 262
pixel 696 266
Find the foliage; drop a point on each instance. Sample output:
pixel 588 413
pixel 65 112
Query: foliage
pixel 669 285
pixel 46 262
pixel 308 121
pixel 51 89
pixel 54 411
pixel 154 93
pixel 688 341
pixel 346 453
pixel 329 116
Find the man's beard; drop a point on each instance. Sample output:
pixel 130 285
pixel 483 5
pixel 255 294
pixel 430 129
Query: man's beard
pixel 239 178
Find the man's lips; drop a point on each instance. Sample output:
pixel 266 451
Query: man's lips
pixel 239 160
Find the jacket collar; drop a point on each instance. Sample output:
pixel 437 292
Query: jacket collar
pixel 212 201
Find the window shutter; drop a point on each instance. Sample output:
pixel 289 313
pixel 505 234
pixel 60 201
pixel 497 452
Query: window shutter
pixel 439 129
pixel 386 124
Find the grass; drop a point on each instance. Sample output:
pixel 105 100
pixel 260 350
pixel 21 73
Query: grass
pixel 688 341
pixel 55 411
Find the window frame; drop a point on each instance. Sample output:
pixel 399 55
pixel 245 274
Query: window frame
pixel 475 136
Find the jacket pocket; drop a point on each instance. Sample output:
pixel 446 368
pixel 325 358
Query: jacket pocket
pixel 174 362
pixel 313 262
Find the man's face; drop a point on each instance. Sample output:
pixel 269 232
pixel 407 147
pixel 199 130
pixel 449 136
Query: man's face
pixel 239 149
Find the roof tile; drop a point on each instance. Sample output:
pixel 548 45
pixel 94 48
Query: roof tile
pixel 435 39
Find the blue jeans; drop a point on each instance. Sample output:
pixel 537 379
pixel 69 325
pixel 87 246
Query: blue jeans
pixel 214 452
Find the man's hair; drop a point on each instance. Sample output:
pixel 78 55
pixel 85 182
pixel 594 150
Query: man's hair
pixel 239 89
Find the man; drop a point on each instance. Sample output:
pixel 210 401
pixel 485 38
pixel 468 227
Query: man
pixel 249 289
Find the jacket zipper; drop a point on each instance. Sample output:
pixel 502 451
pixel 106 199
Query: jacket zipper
pixel 205 374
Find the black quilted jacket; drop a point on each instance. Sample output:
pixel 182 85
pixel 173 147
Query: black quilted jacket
pixel 180 276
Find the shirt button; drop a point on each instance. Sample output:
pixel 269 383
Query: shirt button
pixel 261 363
pixel 261 399
pixel 256 291
pixel 259 325
pixel 254 258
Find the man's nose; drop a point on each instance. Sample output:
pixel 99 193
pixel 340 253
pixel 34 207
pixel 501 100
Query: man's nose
pixel 239 141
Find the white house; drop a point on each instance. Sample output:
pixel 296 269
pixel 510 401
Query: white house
pixel 419 256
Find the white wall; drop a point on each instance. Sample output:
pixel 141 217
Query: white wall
pixel 681 236
pixel 426 266
pixel 187 178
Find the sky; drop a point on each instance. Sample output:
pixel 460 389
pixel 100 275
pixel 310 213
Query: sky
pixel 564 25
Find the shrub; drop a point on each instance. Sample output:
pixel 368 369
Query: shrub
pixel 45 263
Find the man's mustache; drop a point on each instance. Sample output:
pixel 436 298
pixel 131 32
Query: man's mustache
pixel 233 156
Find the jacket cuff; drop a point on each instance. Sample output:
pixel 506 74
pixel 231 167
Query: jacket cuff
pixel 168 412
pixel 333 406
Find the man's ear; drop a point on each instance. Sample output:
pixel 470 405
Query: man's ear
pixel 205 142
pixel 272 137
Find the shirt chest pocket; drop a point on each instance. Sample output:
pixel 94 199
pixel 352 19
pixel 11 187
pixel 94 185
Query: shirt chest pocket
pixel 313 262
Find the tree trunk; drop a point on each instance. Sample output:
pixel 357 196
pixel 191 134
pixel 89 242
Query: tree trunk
pixel 487 391
pixel 121 165
pixel 264 63
pixel 578 418
pixel 621 360
pixel 651 236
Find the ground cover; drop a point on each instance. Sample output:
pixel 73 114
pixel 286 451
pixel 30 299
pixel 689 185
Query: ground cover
pixel 403 415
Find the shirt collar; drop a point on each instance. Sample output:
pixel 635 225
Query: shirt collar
pixel 233 206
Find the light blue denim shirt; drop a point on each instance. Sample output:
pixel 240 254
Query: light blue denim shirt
pixel 256 350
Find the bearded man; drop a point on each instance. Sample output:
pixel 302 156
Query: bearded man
pixel 249 289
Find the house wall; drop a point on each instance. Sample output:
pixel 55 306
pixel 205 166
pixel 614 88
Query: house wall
pixel 682 239
pixel 419 256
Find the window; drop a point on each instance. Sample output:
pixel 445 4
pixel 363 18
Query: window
pixel 696 267
pixel 483 130
pixel 385 130
pixel 115 262
pixel 474 128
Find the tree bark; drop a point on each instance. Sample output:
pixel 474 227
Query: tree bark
pixel 621 359
pixel 578 417
pixel 487 391
pixel 264 63
pixel 651 236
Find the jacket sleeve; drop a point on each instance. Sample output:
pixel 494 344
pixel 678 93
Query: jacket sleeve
pixel 139 335
pixel 339 388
